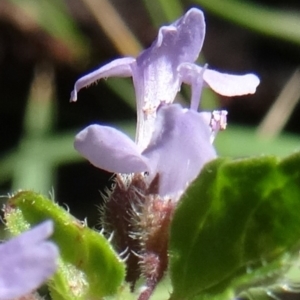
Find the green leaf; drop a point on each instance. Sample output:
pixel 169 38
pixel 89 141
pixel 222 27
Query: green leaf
pixel 237 225
pixel 86 254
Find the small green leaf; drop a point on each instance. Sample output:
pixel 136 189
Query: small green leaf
pixel 83 251
pixel 237 225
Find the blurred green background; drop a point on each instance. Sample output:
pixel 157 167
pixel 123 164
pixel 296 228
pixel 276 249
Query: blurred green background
pixel 46 45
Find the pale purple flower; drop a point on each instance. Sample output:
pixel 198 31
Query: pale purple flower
pixel 26 261
pixel 179 147
pixel 170 141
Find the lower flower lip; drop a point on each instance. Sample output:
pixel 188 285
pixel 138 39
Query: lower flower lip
pixel 109 149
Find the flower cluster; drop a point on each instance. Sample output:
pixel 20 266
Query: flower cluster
pixel 26 262
pixel 165 133
pixel 172 143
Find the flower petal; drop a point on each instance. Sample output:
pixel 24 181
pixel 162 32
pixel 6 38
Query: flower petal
pixel 192 75
pixel 231 85
pixel 224 84
pixel 120 68
pixel 191 32
pixel 179 148
pixel 27 261
pixel 110 150
pixel 155 73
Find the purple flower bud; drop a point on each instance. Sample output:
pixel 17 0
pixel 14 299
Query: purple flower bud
pixel 26 261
